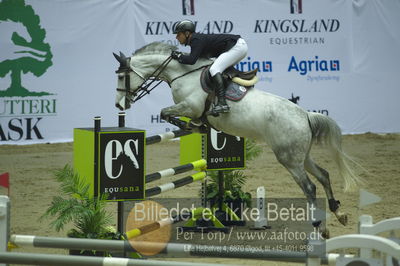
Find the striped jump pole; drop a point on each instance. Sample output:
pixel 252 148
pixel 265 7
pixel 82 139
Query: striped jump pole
pixel 49 259
pixel 70 243
pixel 198 212
pixel 176 170
pixel 166 136
pixel 175 184
pixel 205 213
pixel 156 225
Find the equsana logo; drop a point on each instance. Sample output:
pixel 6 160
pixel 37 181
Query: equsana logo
pixel 25 48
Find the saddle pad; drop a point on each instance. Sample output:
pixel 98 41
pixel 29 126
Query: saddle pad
pixel 234 91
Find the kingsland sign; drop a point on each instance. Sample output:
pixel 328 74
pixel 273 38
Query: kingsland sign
pixel 167 27
pixel 260 26
pixel 296 25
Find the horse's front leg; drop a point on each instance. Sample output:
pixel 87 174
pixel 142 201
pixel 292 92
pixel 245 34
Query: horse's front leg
pixel 180 109
pixel 171 113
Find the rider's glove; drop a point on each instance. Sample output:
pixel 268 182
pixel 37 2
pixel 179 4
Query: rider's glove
pixel 176 55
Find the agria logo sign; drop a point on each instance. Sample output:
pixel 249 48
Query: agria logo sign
pixel 24 50
pixel 251 64
pixel 314 65
pixel 264 68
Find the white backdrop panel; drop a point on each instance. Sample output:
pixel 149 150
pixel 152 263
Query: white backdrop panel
pixel 336 57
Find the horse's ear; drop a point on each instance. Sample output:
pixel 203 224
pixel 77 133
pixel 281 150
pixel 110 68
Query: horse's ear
pixel 121 54
pixel 117 57
pixel 121 60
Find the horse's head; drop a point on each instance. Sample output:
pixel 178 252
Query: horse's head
pixel 136 81
pixel 129 82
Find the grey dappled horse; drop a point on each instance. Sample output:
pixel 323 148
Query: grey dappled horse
pixel 288 130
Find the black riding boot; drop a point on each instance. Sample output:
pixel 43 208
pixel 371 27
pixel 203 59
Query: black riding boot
pixel 221 106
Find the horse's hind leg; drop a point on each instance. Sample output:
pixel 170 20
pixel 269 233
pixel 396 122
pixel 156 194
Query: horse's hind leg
pixel 295 165
pixel 302 179
pixel 323 177
pixel 300 176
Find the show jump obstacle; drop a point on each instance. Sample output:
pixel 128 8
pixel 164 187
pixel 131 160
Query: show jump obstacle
pixel 112 159
pixel 109 154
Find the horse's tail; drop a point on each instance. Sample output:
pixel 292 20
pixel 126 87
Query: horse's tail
pixel 325 130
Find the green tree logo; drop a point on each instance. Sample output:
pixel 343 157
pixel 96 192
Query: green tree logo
pixel 23 48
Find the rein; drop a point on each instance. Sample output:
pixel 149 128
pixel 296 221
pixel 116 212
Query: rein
pixel 187 73
pixel 143 88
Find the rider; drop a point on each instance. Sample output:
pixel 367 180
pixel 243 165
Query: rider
pixel 228 49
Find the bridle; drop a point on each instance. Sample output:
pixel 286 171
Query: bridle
pixel 145 87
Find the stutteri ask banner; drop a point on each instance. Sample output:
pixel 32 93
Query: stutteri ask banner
pixel 57 72
pixel 57 67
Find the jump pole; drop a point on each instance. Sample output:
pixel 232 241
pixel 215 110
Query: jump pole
pixel 185 250
pixel 194 214
pixel 199 164
pixel 166 136
pixel 175 184
pixel 155 225
pixel 49 259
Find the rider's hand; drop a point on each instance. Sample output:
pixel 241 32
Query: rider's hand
pixel 176 55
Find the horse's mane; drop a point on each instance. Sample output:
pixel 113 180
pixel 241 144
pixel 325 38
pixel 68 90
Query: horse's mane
pixel 155 47
pixel 165 49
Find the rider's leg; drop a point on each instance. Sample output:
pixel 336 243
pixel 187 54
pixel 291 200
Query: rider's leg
pixel 229 58
pixel 221 106
pixel 225 60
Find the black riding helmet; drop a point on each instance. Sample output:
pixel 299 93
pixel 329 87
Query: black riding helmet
pixel 184 25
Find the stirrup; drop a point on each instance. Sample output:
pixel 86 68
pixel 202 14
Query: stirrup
pixel 218 109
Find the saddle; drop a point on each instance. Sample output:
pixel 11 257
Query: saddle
pixel 234 91
pixel 232 72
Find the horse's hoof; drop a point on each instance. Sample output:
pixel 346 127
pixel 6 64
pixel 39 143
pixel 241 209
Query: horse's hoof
pixel 342 217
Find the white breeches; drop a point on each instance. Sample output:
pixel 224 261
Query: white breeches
pixel 229 58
